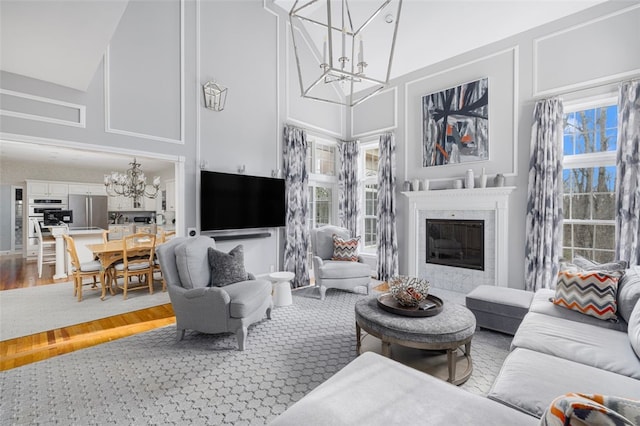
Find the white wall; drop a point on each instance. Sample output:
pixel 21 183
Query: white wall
pixel 581 55
pixel 147 97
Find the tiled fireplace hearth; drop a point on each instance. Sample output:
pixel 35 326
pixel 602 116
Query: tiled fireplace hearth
pixel 489 205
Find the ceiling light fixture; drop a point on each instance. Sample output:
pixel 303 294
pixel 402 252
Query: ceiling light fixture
pixel 337 71
pixel 131 184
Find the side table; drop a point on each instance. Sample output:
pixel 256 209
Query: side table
pixel 281 287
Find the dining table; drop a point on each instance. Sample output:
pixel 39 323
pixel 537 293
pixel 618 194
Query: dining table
pixel 108 254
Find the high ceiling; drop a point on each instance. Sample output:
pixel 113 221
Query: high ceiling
pixel 63 41
pixel 431 31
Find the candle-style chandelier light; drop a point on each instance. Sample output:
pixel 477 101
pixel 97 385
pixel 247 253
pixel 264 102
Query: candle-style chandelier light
pixel 328 42
pixel 131 184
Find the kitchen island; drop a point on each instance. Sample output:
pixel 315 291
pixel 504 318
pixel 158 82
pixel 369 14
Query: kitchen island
pixel 84 236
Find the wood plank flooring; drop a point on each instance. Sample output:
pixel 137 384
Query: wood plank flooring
pixel 15 272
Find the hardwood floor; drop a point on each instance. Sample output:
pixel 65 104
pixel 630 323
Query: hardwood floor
pixel 16 273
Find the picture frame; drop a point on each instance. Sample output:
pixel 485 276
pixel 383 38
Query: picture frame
pixel 455 124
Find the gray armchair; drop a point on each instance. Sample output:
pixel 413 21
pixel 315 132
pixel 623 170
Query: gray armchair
pixel 232 308
pixel 336 273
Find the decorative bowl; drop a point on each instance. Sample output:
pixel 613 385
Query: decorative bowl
pixel 409 291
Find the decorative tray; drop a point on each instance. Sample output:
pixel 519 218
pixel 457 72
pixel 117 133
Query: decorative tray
pixel 389 304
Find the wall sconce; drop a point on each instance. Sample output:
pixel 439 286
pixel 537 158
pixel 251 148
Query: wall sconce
pixel 215 96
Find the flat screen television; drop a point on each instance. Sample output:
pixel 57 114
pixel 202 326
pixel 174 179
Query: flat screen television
pixel 231 201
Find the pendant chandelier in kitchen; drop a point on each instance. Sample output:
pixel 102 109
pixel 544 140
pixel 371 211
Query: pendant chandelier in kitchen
pixel 132 183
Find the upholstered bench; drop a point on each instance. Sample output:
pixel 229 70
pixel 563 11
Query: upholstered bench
pixel 499 308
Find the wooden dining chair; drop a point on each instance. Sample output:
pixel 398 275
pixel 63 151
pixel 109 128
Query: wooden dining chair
pixel 162 237
pixel 81 270
pixel 138 253
pixel 46 246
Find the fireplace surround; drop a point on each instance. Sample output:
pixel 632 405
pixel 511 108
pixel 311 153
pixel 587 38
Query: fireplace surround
pixel 489 205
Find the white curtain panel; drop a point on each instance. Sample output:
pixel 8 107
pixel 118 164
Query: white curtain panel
pixel 387 235
pixel 348 193
pixel 628 174
pixel 544 203
pixel 296 242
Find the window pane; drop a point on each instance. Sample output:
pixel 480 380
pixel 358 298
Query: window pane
pixel 583 252
pixel 580 206
pixel 371 158
pixel 370 234
pixel 583 236
pixel 323 206
pixel 325 159
pixel 605 237
pixel 601 256
pixel 567 241
pixel 567 254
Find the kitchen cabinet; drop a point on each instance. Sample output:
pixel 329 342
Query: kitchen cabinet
pixel 120 203
pixel 87 189
pixel 170 195
pixel 149 204
pixel 47 189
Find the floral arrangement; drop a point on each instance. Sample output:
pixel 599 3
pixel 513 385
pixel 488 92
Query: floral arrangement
pixel 409 291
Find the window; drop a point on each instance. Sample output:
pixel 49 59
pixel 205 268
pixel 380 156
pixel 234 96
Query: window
pixel 589 175
pixel 369 156
pixel 321 165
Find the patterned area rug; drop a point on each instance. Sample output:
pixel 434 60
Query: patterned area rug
pixel 151 379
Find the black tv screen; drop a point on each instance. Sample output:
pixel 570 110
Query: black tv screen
pixel 231 201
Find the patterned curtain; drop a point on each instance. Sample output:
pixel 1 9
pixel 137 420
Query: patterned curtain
pixel 387 236
pixel 628 174
pixel 297 233
pixel 348 185
pixel 544 204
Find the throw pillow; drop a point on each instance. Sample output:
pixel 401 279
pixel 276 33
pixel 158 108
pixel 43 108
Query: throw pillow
pixel 589 292
pixel 346 250
pixel 227 268
pixel 582 409
pixel 629 292
pixel 590 265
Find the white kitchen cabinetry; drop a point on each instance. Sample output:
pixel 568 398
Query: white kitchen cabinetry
pixel 150 204
pixel 87 189
pixel 120 203
pixel 47 189
pixel 171 195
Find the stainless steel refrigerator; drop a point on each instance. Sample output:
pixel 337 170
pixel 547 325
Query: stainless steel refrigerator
pixel 89 211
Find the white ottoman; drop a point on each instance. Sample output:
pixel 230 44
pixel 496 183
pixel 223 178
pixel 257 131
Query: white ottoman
pixel 281 288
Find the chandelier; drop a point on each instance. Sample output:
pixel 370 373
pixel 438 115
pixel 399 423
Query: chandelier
pixel 131 184
pixel 328 42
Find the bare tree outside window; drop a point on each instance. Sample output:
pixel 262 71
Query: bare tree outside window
pixel 589 183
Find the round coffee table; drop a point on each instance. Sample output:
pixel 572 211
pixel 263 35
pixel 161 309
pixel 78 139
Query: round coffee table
pixel 449 330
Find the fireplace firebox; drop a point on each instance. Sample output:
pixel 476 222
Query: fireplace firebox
pixel 455 242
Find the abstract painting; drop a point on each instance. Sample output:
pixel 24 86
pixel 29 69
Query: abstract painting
pixel 455 125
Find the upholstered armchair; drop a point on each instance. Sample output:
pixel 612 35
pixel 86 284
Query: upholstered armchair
pixel 209 309
pixel 343 275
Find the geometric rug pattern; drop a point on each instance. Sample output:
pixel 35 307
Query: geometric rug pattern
pixel 150 378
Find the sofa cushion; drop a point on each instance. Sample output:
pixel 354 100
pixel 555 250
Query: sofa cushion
pixel 227 268
pixel 589 292
pixel 595 346
pixel 530 380
pixel 247 296
pixel 192 261
pixel 345 249
pixel 628 292
pixel 591 409
pixel 634 329
pixel 542 303
pixel 339 269
pixel 373 390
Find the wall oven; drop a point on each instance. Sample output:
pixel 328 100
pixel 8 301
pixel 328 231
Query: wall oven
pixel 37 206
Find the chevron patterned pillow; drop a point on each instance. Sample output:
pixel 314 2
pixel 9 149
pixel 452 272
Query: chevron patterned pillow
pixel 345 249
pixel 591 409
pixel 589 292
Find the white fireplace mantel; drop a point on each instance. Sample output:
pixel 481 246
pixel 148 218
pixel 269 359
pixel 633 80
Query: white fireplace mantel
pixel 495 199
